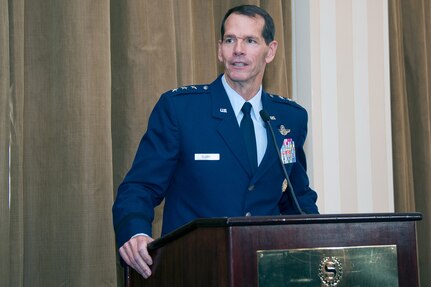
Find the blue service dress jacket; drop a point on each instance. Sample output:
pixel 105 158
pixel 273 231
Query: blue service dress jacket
pixel 193 156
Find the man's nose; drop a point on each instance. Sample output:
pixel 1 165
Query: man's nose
pixel 239 47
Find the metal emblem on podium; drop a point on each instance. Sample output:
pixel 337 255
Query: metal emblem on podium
pixel 330 271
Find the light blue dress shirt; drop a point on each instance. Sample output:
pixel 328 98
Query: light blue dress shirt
pixel 259 125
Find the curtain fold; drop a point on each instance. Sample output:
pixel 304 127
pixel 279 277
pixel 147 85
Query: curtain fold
pixel 59 119
pixel 4 142
pixel 410 48
pixel 67 166
pixel 403 166
pixel 12 230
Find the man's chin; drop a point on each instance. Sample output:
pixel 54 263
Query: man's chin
pixel 238 77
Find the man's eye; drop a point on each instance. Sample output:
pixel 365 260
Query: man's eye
pixel 251 41
pixel 228 40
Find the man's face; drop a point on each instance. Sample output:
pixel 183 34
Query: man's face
pixel 243 50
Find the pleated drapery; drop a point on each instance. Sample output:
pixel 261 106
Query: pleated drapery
pixel 410 59
pixel 78 80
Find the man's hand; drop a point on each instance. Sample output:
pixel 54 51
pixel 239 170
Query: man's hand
pixel 135 253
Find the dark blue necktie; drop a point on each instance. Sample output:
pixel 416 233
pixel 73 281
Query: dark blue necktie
pixel 247 129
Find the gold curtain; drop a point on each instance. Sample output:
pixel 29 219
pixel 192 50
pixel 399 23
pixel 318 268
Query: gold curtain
pixel 410 49
pixel 4 142
pixel 78 80
pixel 58 97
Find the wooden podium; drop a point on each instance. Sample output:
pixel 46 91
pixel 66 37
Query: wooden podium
pixel 246 251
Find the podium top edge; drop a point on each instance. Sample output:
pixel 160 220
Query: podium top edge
pixel 283 220
pixel 325 218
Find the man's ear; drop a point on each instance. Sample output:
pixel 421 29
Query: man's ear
pixel 272 49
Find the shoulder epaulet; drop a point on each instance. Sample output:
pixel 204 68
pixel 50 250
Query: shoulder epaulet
pixel 284 100
pixel 193 89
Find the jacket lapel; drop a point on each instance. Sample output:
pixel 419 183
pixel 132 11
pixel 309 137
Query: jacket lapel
pixel 270 158
pixel 228 127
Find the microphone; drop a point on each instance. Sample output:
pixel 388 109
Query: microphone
pixel 265 117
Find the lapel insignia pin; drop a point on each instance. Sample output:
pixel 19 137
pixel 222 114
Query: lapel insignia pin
pixel 283 131
pixel 222 110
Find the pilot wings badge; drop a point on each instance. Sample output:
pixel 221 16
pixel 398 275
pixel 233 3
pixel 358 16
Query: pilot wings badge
pixel 283 131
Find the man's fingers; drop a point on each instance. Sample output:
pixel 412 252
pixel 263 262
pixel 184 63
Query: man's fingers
pixel 129 257
pixel 134 252
pixel 141 266
pixel 143 252
pixel 125 256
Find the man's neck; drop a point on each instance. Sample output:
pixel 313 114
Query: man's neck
pixel 246 90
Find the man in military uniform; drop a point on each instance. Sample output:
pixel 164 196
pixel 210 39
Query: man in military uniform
pixel 207 151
